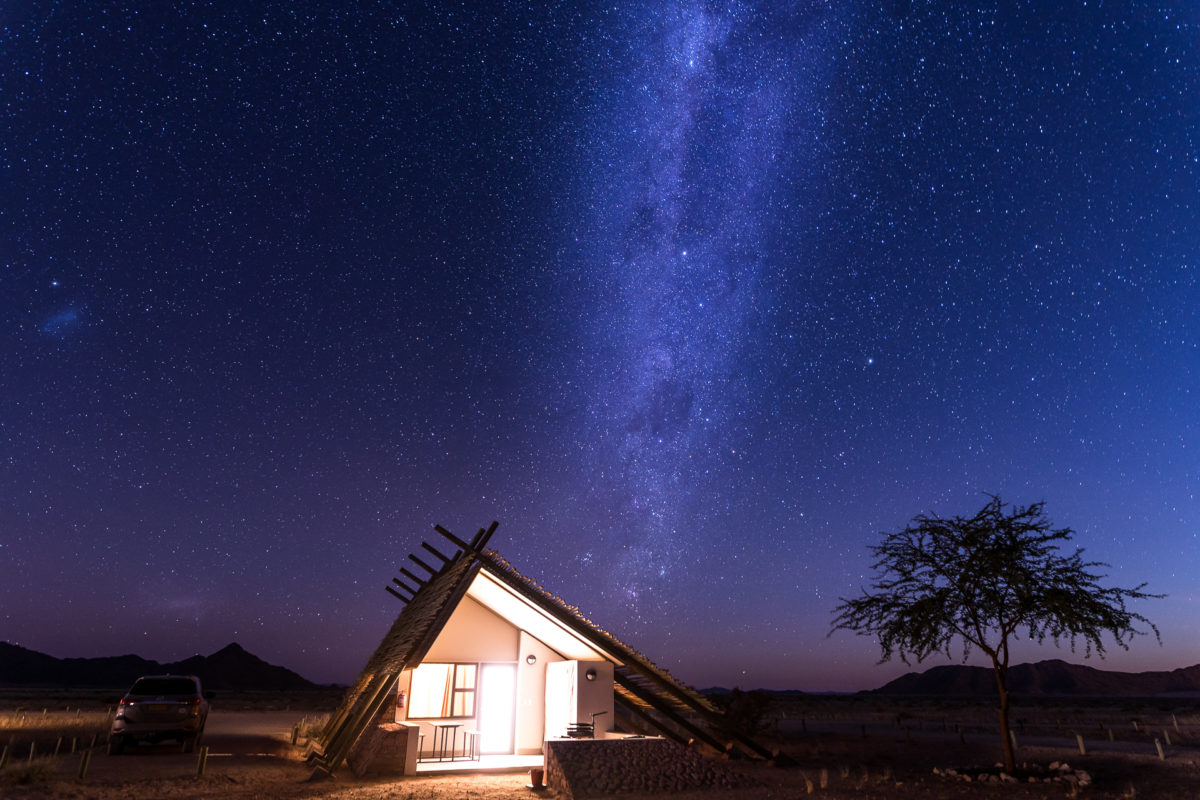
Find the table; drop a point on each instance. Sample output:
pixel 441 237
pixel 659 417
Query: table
pixel 442 731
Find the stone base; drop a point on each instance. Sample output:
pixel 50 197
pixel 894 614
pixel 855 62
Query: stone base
pixel 580 768
pixel 385 749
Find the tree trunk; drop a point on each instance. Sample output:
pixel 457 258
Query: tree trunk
pixel 1010 756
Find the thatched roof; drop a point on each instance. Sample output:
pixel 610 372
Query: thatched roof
pixel 649 699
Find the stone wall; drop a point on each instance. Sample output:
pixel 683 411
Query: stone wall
pixel 381 750
pixel 581 768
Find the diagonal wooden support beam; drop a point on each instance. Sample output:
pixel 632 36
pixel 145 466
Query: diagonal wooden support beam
pixel 405 586
pixel 412 577
pixel 452 538
pixel 444 558
pixel 375 698
pixel 641 723
pixel 481 538
pixel 423 565
pixel 655 702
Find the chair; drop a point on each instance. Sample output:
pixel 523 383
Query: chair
pixel 471 745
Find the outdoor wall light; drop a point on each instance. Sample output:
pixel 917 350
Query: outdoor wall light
pixel 590 674
pixel 531 659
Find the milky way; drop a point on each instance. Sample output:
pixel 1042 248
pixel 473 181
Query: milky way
pixel 695 131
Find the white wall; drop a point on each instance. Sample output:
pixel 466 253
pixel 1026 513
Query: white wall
pixel 572 698
pixel 596 696
pixel 475 634
pixel 531 694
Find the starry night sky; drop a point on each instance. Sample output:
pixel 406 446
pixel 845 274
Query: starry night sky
pixel 696 299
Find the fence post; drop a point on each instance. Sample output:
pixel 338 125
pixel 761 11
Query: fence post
pixel 1158 745
pixel 202 762
pixel 1079 740
pixel 84 761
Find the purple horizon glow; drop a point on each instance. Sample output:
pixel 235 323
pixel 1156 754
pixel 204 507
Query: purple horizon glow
pixel 695 299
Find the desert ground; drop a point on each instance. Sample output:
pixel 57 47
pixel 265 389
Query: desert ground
pixel 830 747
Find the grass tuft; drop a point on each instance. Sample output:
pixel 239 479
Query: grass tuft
pixel 28 773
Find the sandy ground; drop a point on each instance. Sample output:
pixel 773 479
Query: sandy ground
pixel 250 756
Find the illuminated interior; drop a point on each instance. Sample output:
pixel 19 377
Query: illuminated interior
pixel 445 691
pixel 497 707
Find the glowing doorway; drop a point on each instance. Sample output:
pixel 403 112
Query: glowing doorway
pixel 497 707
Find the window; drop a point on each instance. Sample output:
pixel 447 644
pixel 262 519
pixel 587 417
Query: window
pixel 443 690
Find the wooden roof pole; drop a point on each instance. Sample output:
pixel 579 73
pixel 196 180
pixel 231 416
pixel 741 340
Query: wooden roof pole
pixel 345 738
pixel 412 577
pixel 344 707
pixel 406 587
pixel 444 558
pixel 425 566
pixel 653 701
pixel 644 724
pixel 452 538
pixel 482 537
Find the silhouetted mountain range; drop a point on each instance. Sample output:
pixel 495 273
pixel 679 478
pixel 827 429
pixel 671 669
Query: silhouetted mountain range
pixel 229 668
pixel 1053 677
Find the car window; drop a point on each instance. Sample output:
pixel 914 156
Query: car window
pixel 160 686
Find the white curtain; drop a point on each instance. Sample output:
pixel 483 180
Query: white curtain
pixel 431 691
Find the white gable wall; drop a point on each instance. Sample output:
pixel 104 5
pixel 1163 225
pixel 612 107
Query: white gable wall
pixel 475 634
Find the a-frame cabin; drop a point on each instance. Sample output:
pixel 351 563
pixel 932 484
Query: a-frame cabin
pixel 480 649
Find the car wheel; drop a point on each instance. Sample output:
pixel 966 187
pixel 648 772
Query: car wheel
pixel 190 743
pixel 116 745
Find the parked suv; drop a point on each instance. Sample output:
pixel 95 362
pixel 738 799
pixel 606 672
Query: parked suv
pixel 161 707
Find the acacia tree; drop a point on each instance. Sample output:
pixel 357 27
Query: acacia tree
pixel 983 580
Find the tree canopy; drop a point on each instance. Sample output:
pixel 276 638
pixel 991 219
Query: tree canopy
pixel 982 581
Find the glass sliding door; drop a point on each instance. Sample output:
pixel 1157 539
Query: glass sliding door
pixel 497 707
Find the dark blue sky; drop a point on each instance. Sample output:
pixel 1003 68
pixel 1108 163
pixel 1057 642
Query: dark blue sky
pixel 696 299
